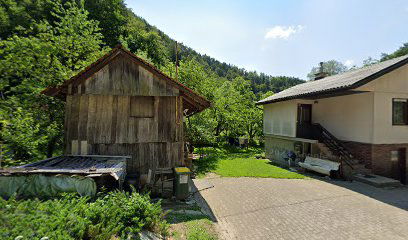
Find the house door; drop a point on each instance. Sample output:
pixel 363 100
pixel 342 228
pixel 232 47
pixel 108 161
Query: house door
pixel 402 165
pixel 304 114
pixel 304 120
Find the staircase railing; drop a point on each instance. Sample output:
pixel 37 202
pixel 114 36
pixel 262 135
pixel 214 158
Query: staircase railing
pixel 334 144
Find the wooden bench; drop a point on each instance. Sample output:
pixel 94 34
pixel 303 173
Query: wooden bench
pixel 320 165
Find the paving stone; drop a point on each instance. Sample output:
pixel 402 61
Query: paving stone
pixel 254 208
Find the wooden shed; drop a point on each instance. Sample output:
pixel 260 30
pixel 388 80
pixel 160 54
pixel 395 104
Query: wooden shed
pixel 122 105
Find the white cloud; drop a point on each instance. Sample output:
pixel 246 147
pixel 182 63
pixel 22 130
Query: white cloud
pixel 349 63
pixel 283 32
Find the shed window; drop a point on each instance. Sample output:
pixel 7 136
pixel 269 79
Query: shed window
pixel 399 111
pixel 142 107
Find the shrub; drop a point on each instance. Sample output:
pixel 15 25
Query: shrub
pixel 72 217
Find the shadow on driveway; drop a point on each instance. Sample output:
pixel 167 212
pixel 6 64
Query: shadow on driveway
pixel 205 208
pixel 397 197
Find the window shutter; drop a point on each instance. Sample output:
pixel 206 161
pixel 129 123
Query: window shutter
pixel 142 107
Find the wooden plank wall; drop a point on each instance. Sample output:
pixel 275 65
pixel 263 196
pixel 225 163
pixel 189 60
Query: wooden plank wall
pixel 106 124
pixel 107 111
pixel 123 77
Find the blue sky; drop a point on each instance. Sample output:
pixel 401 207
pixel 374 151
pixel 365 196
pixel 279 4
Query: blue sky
pixel 285 37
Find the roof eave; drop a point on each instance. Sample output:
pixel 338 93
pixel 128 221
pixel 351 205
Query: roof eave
pixel 60 91
pixel 308 95
pixel 344 88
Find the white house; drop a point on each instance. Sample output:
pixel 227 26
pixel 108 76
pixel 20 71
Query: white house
pixel 358 115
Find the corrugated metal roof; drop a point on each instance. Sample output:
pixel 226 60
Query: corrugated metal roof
pixel 86 165
pixel 345 81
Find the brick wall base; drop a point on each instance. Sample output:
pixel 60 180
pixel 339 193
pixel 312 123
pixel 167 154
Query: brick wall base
pixel 381 160
pixel 378 157
pixel 361 151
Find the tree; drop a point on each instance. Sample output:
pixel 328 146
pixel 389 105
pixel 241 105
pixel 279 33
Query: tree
pixel 331 67
pixel 45 42
pixel 199 127
pixel 226 111
pixel 16 15
pixel 48 54
pixel 112 16
pixel 403 50
pixel 370 61
pixel 281 83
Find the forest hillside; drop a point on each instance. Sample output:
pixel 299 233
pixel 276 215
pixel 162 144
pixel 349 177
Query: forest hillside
pixel 45 42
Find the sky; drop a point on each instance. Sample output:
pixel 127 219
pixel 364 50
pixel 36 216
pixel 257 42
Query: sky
pixel 285 37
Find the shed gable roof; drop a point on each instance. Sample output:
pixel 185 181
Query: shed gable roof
pixel 337 83
pixel 194 101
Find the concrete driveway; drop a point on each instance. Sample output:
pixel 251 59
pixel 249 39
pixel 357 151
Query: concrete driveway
pixel 261 208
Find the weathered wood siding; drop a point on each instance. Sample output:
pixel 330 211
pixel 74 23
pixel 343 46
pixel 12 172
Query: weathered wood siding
pixel 123 77
pixel 125 110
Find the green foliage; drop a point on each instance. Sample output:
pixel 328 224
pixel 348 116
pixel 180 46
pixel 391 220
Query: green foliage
pixel 233 112
pixel 370 61
pixel 112 17
pixel 120 25
pixel 235 109
pixel 27 143
pixel 403 50
pixel 331 67
pixel 72 217
pixel 43 43
pixel 280 83
pixel 17 15
pixel 334 67
pixel 46 55
pixel 46 42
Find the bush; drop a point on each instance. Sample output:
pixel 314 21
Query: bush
pixel 72 217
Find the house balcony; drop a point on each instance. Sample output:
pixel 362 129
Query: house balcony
pixel 307 131
pixel 326 140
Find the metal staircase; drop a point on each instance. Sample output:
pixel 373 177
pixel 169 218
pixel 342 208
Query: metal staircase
pixel 335 146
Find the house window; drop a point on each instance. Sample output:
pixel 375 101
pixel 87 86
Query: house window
pixel 399 111
pixel 142 107
pixel 394 156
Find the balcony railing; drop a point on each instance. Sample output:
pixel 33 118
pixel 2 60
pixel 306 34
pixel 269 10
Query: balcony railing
pixel 316 131
pixel 307 131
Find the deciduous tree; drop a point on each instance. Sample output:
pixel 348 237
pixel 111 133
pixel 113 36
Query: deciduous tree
pixel 331 67
pixel 49 54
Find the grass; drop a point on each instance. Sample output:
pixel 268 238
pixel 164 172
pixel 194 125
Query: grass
pixel 252 167
pixel 240 163
pixel 191 227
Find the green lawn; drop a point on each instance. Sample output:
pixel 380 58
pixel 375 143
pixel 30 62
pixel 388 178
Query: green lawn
pixel 190 227
pixel 252 167
pixel 241 163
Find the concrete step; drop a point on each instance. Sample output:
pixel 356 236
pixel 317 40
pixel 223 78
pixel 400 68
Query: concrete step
pixel 361 168
pixel 329 157
pixel 376 180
